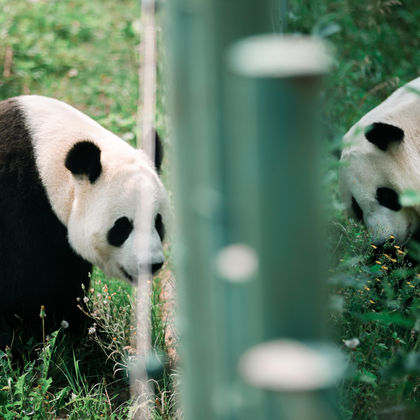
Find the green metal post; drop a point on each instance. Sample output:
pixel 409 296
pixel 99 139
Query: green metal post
pixel 198 33
pixel 273 112
pixel 247 216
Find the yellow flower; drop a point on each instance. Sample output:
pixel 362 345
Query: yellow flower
pixel 371 301
pixel 378 262
pixel 384 267
pixel 378 280
pixel 400 252
pixel 374 246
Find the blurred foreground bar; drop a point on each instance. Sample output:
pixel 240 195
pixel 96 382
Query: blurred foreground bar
pixel 245 112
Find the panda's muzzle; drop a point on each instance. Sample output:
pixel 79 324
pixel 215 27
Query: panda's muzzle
pixel 126 275
pixel 154 269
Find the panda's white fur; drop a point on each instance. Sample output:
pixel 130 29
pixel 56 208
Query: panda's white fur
pixel 127 186
pixel 395 165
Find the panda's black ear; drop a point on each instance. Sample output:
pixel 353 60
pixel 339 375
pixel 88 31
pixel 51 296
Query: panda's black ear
pixel 383 135
pixel 84 159
pixel 158 152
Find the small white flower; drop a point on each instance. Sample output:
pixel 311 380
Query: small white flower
pixel 91 330
pixel 73 72
pixel 352 343
pixel 86 299
pixel 64 324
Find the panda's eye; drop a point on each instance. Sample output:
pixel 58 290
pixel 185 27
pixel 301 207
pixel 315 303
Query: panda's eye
pixel 356 209
pixel 160 227
pixel 121 230
pixel 388 198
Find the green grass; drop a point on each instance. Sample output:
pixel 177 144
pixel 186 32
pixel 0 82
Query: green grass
pixel 86 54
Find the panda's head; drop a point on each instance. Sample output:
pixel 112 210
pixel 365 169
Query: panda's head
pixel 381 160
pixel 118 209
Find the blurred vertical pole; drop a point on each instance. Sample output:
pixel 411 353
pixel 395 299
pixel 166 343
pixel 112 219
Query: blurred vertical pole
pixel 249 253
pixel 141 388
pixel 198 33
pixel 273 103
pixel 147 79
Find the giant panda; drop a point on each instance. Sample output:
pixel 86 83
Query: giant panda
pixel 380 160
pixel 73 195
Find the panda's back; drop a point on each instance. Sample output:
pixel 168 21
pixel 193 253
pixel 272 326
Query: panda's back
pixel 36 263
pixel 401 109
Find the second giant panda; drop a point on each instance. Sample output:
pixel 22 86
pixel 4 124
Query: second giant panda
pixel 381 160
pixel 72 194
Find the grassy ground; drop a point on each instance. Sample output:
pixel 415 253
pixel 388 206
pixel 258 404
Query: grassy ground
pixel 375 308
pixel 84 53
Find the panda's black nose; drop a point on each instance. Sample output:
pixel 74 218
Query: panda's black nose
pixel 156 267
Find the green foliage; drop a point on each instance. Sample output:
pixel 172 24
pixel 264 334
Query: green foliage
pixel 88 378
pixel 84 53
pixel 25 392
pixel 374 294
pixel 375 298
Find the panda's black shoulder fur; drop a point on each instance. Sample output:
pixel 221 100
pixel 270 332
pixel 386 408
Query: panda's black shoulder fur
pixel 37 264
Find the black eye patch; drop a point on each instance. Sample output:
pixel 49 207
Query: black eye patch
pixel 121 230
pixel 160 227
pixel 388 198
pixel 383 135
pixel 356 209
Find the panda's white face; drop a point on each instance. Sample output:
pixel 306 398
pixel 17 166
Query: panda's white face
pixel 117 221
pixel 381 160
pixel 106 193
pixel 370 190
